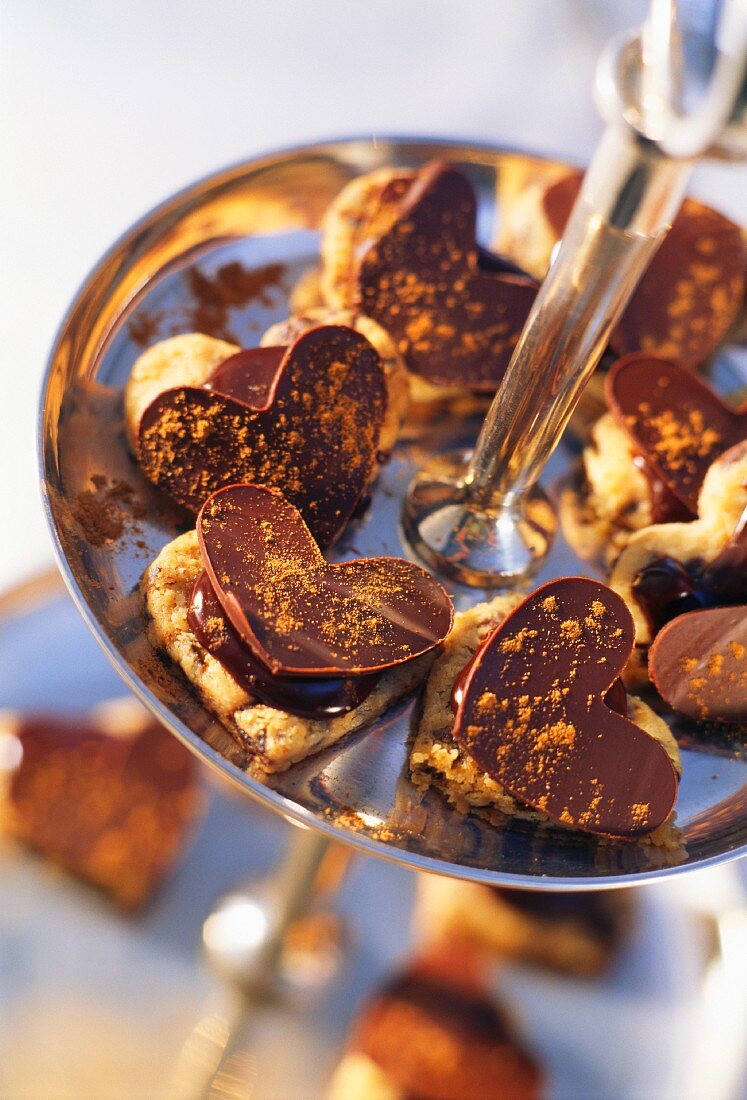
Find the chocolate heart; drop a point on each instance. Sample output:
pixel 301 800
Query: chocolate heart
pixel 112 810
pixel 305 420
pixel 675 421
pixel 300 615
pixel 692 290
pixel 453 318
pixel 305 696
pixel 436 1037
pixel 532 713
pixel 699 664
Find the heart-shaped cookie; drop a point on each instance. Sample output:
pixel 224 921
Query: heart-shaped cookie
pixel 108 795
pixel 675 422
pixel 305 420
pixel 302 616
pixel 699 664
pixel 532 714
pixel 692 290
pixel 454 312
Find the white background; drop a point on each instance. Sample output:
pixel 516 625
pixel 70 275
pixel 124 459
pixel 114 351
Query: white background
pixel 106 107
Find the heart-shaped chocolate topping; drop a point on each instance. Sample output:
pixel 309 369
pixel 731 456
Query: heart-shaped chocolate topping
pixel 453 311
pixel 675 421
pixel 692 290
pixel 699 664
pixel 302 616
pixel 111 809
pixel 305 420
pixel 532 713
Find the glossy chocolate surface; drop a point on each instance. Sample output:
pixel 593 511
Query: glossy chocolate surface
pixel 304 696
pixel 248 376
pixel 302 616
pixel 616 697
pixel 666 588
pixel 674 420
pixel 316 438
pixel 699 664
pixel 454 312
pixel 533 714
pixel 665 506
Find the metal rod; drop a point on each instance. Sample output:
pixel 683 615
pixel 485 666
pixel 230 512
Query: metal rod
pixel 245 940
pixel 629 197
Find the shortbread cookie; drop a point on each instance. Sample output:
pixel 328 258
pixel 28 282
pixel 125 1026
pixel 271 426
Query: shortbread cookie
pixel 273 738
pixel 436 759
pixel 575 933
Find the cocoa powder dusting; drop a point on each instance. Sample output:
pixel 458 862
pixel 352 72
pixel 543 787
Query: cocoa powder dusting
pixel 232 286
pixel 143 328
pixel 104 512
pixel 212 298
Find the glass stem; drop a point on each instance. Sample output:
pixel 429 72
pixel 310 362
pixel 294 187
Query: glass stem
pixel 629 198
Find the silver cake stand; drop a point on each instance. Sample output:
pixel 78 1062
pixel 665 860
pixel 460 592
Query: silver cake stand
pixel 266 212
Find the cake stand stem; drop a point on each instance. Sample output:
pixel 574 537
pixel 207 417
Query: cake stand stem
pixel 246 941
pixel 482 518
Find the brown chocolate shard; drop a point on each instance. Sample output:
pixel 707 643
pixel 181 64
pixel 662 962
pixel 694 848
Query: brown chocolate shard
pixel 112 810
pixel 674 420
pixel 312 431
pixel 437 1038
pixel 454 317
pixel 692 290
pixel 698 663
pixel 302 616
pixel 533 714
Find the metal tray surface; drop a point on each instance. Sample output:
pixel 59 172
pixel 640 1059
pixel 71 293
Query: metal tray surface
pixel 267 212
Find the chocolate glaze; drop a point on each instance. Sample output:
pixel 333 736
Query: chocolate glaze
pixel 692 290
pixel 453 311
pixel 533 714
pixel 314 435
pixel 302 616
pixel 726 574
pixel 666 588
pixel 674 420
pixel 437 1041
pixel 248 376
pixel 665 507
pixel 699 664
pixel 305 696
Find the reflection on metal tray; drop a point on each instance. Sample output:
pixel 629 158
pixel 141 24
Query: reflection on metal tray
pixel 264 213
pixel 93 1004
